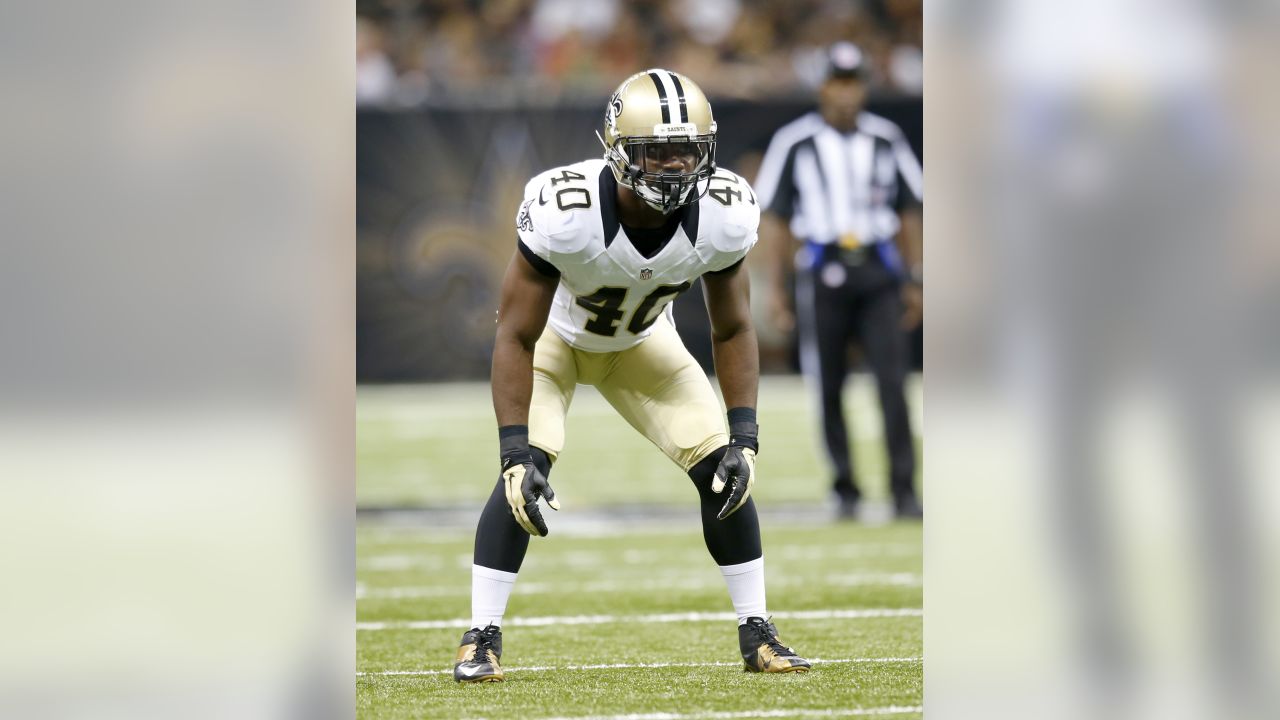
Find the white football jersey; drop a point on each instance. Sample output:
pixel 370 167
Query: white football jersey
pixel 610 295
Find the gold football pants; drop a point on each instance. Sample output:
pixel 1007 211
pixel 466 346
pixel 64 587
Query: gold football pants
pixel 656 386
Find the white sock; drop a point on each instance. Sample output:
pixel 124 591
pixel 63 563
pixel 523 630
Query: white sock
pixel 746 588
pixel 489 592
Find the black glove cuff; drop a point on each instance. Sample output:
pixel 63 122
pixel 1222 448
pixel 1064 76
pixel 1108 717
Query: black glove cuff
pixel 513 444
pixel 743 430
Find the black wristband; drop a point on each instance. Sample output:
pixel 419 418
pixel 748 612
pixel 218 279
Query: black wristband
pixel 513 441
pixel 743 430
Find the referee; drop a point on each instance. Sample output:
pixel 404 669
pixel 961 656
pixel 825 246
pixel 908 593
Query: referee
pixel 851 189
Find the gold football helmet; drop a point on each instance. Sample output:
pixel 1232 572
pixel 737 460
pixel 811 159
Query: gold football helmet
pixel 660 139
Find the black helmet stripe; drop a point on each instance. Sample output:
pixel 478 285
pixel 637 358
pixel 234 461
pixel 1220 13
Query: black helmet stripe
pixel 662 96
pixel 684 107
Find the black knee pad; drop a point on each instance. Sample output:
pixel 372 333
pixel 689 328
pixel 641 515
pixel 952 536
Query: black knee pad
pixel 736 539
pixel 704 472
pixel 500 541
pixel 541 461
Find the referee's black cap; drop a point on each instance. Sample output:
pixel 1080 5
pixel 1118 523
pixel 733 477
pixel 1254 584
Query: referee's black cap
pixel 845 60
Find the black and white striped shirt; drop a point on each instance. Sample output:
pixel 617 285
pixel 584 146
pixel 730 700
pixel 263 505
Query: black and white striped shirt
pixel 833 185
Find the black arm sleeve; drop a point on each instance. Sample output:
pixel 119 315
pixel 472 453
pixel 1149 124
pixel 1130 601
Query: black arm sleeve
pixel 538 263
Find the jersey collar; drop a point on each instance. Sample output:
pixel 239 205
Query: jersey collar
pixel 609 210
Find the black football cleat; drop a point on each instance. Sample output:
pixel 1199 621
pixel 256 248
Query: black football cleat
pixel 764 652
pixel 478 656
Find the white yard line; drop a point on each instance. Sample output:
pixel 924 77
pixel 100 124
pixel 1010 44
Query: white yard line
pixel 627 666
pixel 363 592
pixel 465 623
pixel 593 522
pixel 587 559
pixel 795 712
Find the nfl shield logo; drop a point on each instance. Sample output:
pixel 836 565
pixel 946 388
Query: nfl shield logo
pixel 646 273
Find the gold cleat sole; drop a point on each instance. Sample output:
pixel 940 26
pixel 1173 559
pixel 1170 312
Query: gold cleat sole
pixel 794 668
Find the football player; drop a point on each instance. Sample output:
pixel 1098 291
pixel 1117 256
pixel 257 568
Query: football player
pixel 603 248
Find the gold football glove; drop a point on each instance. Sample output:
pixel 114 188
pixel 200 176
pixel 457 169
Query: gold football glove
pixel 737 469
pixel 523 482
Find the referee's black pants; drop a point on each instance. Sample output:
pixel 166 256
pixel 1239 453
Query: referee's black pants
pixel 842 298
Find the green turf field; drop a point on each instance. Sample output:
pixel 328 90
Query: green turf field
pixel 620 612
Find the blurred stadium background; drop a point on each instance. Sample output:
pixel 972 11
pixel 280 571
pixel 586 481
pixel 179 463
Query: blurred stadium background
pixel 473 99
pixel 544 52
pixel 459 103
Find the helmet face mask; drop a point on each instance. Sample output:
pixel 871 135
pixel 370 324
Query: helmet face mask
pixel 660 139
pixel 668 175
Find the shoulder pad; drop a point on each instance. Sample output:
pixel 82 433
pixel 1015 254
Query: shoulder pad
pixel 561 210
pixel 735 211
